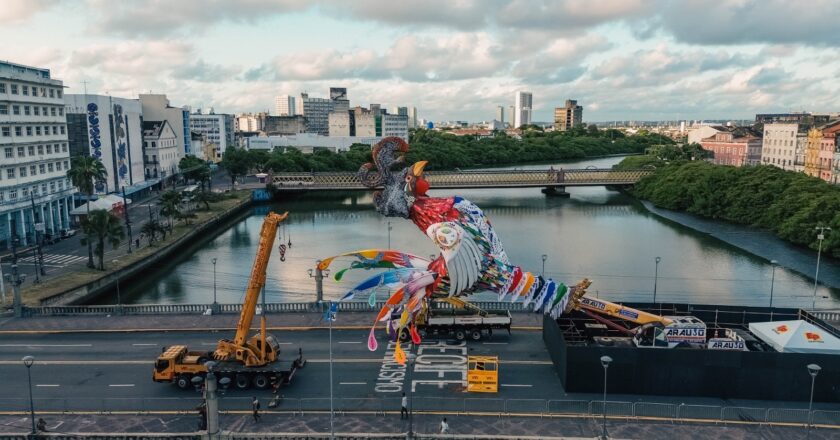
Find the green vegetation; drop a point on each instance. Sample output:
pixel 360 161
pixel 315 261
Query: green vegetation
pixel 101 226
pixel 445 151
pixel 195 169
pixel 83 172
pixel 787 203
pixel 661 155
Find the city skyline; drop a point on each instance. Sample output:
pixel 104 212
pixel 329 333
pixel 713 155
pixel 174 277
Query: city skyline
pixel 622 60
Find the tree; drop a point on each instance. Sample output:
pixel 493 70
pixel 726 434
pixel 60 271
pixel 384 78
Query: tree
pixel 150 229
pixel 195 169
pixel 170 205
pixel 204 197
pixel 83 172
pixel 592 130
pixel 237 163
pixel 102 226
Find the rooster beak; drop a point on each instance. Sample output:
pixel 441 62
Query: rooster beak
pixel 418 167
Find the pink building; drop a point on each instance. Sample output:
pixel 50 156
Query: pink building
pixel 731 150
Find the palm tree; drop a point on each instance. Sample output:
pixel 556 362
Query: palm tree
pixel 150 229
pixel 102 226
pixel 204 197
pixel 170 202
pixel 83 172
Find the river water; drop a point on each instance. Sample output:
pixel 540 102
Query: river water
pixel 600 234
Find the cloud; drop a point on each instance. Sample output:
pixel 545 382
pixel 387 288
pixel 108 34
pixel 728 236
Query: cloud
pixel 726 22
pixel 131 58
pixel 204 72
pixel 559 14
pixel 19 11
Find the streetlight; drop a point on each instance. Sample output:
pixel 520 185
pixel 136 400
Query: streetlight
pixel 215 308
pixel 820 237
pixel 330 317
pixel 605 362
pixel 544 257
pixel 813 370
pixel 389 234
pixel 28 361
pixel 773 263
pixel 656 277
pixel 411 359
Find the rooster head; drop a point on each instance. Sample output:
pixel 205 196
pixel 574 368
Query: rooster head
pixel 400 188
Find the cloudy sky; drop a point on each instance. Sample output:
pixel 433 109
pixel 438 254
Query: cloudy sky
pixel 452 59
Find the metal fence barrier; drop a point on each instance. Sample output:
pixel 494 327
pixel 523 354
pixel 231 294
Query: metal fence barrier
pixel 483 405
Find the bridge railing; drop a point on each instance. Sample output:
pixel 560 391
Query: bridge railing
pixel 442 179
pixel 197 309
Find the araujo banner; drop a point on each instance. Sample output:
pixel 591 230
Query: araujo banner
pixel 95 141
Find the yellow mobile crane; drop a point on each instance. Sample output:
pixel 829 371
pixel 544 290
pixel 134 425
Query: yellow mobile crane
pixel 246 361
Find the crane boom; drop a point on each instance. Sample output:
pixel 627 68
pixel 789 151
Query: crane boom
pixel 579 301
pixel 254 352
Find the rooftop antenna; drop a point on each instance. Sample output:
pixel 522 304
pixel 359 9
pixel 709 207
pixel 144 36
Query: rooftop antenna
pixel 84 83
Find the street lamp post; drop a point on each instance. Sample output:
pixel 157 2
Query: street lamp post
pixel 544 257
pixel 820 237
pixel 28 361
pixel 605 362
pixel 655 277
pixel 411 358
pixel 773 263
pixel 389 234
pixel 813 370
pixel 215 307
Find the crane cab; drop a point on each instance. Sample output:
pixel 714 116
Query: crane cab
pixel 176 362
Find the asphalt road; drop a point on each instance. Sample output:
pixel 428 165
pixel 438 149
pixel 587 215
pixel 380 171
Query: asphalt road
pixel 112 371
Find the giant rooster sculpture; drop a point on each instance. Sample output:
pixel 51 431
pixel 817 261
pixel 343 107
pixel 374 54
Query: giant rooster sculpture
pixel 471 258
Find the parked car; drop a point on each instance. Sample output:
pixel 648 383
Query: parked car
pixel 67 233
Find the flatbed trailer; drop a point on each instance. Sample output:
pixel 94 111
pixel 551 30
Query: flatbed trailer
pixel 461 323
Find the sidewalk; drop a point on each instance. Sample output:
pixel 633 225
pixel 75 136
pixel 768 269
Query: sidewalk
pixel 423 424
pixel 227 321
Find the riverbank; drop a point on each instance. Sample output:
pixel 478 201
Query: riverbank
pixel 84 283
pixel 759 243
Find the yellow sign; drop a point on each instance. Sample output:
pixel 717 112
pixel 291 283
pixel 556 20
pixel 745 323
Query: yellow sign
pixel 483 374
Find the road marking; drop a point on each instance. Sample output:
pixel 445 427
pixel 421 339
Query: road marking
pixel 46 385
pixel 349 342
pixel 121 385
pixel 516 385
pixel 144 345
pixel 284 343
pixel 352 383
pixel 46 345
pixel 495 343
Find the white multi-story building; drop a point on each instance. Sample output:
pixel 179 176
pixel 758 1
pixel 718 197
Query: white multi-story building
pixel 217 129
pixel 34 154
pixel 500 114
pixel 162 154
pixel 316 111
pixel 250 122
pixel 395 125
pixel 523 108
pixel 783 146
pixel 339 123
pixel 412 117
pixel 284 105
pixel 157 108
pixel 108 129
pixel 365 123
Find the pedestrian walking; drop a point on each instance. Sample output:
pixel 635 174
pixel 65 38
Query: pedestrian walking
pixel 255 405
pixel 404 409
pixel 444 427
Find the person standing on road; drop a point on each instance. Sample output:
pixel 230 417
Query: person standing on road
pixel 444 427
pixel 255 405
pixel 404 409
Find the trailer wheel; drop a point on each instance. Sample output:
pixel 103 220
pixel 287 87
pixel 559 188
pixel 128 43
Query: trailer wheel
pixel 476 334
pixel 404 335
pixel 460 335
pixel 260 381
pixel 183 381
pixel 242 381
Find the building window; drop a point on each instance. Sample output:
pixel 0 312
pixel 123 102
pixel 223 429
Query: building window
pixel 36 111
pixel 52 109
pixel 62 129
pixel 21 152
pixel 4 109
pixel 6 131
pixel 25 90
pixel 52 187
pixel 26 110
pixel 52 93
pixel 42 169
pixel 49 149
pixel 28 130
pixel 18 131
pixel 44 111
pixel 10 173
pixel 50 167
pixel 2 87
pixel 63 148
pixel 37 130
pixel 66 164
pixel 40 150
pixel 9 153
pixel 60 111
pixel 13 194
pixel 16 110
pixel 58 93
pixel 43 91
pixel 43 188
pixel 22 171
pixel 14 89
pixel 31 150
pixel 33 171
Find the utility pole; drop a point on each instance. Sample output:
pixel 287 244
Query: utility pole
pixel 127 221
pixel 16 278
pixel 820 237
pixel 40 261
pixel 319 281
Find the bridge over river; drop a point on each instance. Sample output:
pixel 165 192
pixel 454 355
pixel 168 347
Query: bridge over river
pixel 554 180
